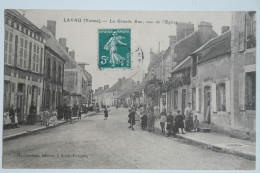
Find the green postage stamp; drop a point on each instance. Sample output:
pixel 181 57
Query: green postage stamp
pixel 114 50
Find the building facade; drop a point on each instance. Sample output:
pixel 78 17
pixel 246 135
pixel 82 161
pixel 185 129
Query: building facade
pixel 24 63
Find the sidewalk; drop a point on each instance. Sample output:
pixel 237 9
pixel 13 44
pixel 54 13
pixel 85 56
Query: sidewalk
pixel 219 142
pixel 25 130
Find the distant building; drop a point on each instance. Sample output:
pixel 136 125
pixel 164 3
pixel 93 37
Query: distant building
pixel 122 85
pixel 24 63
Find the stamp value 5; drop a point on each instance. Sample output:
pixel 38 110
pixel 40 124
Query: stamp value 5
pixel 114 48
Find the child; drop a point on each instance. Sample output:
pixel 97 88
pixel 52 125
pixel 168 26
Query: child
pixel 196 123
pixel 106 114
pixel 79 115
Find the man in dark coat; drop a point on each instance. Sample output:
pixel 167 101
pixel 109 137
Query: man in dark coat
pixel 60 112
pixel 32 114
pixel 169 120
pixel 179 122
pixel 132 119
pixel 144 120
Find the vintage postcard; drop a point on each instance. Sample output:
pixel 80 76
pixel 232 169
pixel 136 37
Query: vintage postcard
pixel 163 90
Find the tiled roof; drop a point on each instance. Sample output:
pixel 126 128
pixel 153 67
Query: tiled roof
pixel 117 86
pixel 215 47
pixel 53 44
pixel 185 63
pixel 29 24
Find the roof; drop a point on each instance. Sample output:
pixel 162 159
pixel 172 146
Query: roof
pixel 27 22
pixel 185 63
pixel 53 44
pixel 99 92
pixel 187 45
pixel 116 86
pixel 215 47
pixel 125 94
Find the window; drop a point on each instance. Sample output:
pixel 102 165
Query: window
pixel 175 103
pixel 250 90
pixel 8 47
pixel 48 68
pixel 22 53
pixel 54 70
pixel 221 97
pixel 251 30
pixel 35 58
pixel 59 74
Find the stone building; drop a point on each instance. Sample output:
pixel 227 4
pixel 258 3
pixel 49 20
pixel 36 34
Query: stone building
pixel 112 94
pixel 210 81
pixel 23 63
pixel 53 70
pixel 243 74
pixel 76 82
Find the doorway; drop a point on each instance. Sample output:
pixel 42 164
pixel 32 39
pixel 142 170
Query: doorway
pixel 207 102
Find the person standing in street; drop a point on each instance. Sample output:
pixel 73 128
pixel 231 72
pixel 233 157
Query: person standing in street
pixel 188 118
pixel 151 121
pixel 162 121
pixel 12 115
pixel 32 114
pixel 53 119
pixel 105 114
pixel 179 121
pixel 169 127
pixel 79 114
pixel 132 119
pixel 144 120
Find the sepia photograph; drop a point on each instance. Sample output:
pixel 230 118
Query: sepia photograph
pixel 128 89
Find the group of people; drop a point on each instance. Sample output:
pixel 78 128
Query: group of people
pixel 172 124
pixel 10 118
pixel 47 116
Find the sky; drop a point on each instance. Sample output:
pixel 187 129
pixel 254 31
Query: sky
pixel 82 36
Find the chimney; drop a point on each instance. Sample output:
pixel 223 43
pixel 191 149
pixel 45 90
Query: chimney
pixel 183 29
pixel 63 42
pixel 123 78
pixel 120 81
pixel 72 54
pixel 224 29
pixel 67 49
pixel 172 39
pixel 205 32
pixel 51 25
pixel 138 82
pixel 106 87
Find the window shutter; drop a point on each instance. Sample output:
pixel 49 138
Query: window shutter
pixel 241 92
pixel 197 99
pixel 213 97
pixel 228 98
pixel 242 32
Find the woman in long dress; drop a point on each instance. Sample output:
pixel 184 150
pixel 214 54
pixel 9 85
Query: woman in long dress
pixel 53 119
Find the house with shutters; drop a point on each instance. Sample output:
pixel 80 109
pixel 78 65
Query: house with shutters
pixel 243 74
pixel 24 48
pixel 210 82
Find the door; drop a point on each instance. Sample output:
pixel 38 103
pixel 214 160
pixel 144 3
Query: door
pixel 207 100
pixel 20 101
pixel 183 100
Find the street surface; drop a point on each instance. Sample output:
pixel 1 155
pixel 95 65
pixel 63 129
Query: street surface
pixel 108 144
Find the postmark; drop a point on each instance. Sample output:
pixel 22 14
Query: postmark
pixel 114 49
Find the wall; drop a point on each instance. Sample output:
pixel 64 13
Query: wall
pixel 242 60
pixel 209 73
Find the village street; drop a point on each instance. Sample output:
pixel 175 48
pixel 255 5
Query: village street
pixel 108 144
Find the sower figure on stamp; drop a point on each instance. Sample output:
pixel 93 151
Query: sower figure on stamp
pixel 115 58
